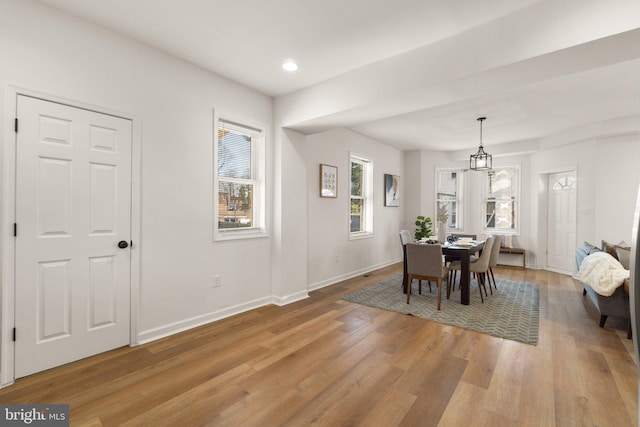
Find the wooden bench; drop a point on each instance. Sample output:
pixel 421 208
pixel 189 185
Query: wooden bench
pixel 516 251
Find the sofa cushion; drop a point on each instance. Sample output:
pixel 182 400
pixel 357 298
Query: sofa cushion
pixel 609 248
pixel 506 241
pixel 584 250
pixel 588 248
pixel 620 251
pixel 624 253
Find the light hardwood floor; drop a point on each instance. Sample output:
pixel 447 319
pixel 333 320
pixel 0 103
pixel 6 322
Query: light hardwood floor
pixel 325 361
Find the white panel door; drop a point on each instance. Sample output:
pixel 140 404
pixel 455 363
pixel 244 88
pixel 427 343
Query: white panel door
pixel 561 241
pixel 73 207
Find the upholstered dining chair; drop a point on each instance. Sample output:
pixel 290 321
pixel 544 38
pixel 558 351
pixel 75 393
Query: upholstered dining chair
pixel 479 267
pixel 405 237
pixel 424 262
pixel 493 260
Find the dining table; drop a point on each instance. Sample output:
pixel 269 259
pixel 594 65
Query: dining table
pixel 461 251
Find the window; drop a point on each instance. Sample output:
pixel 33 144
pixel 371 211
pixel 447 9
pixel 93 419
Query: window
pixel 360 202
pixel 449 194
pixel 501 207
pixel 239 159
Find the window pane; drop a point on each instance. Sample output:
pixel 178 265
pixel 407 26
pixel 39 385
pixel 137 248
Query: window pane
pixel 356 206
pixel 357 210
pixel 502 184
pixel 235 205
pixel 449 194
pixel 234 154
pixel 356 179
pixel 452 212
pixel 564 183
pixel 501 215
pixel 356 223
pixel 447 186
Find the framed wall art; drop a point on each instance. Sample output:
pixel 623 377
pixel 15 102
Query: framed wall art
pixel 328 181
pixel 391 190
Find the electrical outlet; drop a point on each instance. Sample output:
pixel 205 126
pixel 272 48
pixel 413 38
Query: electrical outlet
pixel 217 282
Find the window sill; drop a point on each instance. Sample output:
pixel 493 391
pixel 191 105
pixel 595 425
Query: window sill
pixel 253 233
pixel 501 232
pixel 358 236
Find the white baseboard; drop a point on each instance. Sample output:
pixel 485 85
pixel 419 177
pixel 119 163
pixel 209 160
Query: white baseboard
pixel 183 325
pixel 193 322
pixel 280 301
pixel 350 275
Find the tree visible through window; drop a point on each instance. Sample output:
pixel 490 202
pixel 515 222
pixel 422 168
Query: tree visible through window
pixel 360 204
pixel 449 194
pixel 237 176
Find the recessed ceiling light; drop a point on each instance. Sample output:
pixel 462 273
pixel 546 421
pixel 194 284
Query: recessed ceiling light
pixel 289 66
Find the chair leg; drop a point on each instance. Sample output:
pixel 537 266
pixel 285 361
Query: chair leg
pixel 494 278
pixel 410 281
pixel 480 290
pixel 488 277
pixel 448 285
pixel 420 287
pixel 439 292
pixel 483 277
pixel 603 319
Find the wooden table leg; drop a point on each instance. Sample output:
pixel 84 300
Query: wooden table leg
pixel 465 278
pixel 405 276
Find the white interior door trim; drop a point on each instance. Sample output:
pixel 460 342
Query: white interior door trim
pixel 7 287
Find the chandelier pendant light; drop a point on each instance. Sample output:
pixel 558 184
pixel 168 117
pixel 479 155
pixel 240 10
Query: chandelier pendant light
pixel 481 160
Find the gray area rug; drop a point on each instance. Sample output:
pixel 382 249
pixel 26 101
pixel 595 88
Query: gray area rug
pixel 512 312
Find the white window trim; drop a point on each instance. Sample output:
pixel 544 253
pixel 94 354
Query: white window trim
pixel 459 200
pixel 258 151
pixel 515 231
pixel 368 198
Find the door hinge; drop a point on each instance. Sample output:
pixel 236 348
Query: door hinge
pixel 16 125
pixel 15 229
pixel 14 334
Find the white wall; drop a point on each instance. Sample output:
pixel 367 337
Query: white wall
pixel 428 161
pixel 332 256
pixel 608 174
pixel 53 53
pixel 289 257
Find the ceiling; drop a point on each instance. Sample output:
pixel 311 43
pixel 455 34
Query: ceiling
pixel 413 74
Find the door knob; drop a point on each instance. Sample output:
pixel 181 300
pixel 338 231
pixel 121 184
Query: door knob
pixel 123 244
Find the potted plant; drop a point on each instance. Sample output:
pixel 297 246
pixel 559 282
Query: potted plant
pixel 423 227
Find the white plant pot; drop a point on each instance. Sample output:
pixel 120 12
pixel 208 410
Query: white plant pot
pixel 442 232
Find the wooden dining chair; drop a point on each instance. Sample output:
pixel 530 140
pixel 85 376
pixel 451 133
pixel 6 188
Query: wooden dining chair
pixel 479 267
pixel 424 262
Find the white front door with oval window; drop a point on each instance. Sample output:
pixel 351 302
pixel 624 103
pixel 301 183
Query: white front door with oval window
pixel 561 239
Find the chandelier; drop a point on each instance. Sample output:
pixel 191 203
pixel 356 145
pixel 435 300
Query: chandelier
pixel 480 160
